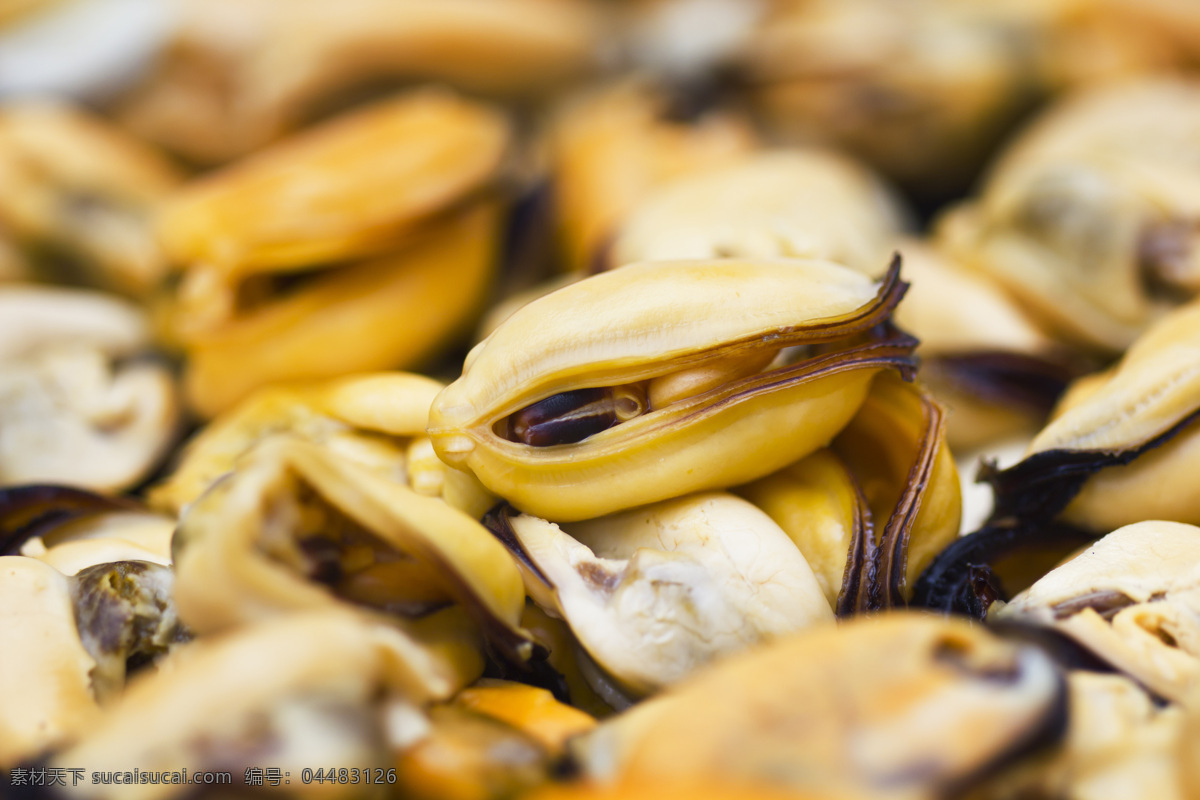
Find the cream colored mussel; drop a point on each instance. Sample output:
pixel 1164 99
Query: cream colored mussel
pixel 115 556
pixel 609 147
pixel 366 243
pixel 900 705
pixel 1089 217
pixel 1111 40
pixel 656 592
pixel 78 404
pixel 1120 743
pixel 241 73
pixel 798 203
pixel 1123 444
pixel 656 380
pixel 819 505
pixel 1133 599
pixel 77 198
pixel 377 420
pixel 328 686
pixel 297 527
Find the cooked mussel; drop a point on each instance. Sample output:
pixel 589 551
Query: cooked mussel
pixel 920 89
pixel 72 642
pixel 374 419
pixel 1131 598
pixel 1121 443
pixel 983 355
pixel 900 705
pixel 1089 217
pixel 873 509
pixel 657 379
pixel 1119 743
pixel 45 673
pixel 655 592
pixel 114 559
pixel 363 244
pixel 79 402
pixel 214 96
pixel 298 527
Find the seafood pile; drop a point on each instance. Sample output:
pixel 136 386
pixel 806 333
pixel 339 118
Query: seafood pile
pixel 582 399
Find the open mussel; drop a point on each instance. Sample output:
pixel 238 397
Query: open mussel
pixel 654 592
pixel 659 379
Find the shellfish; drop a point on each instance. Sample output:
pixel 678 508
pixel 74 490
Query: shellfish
pixel 1119 446
pixel 1088 217
pixel 297 527
pixel 655 592
pixel 362 244
pixel 835 709
pixel 76 404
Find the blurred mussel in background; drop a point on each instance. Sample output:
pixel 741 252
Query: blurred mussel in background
pixel 488 399
pixel 308 260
